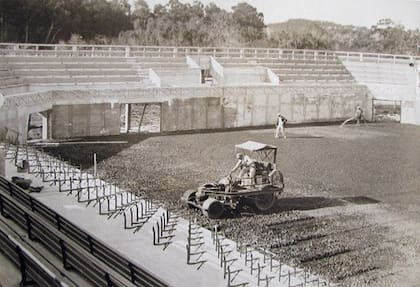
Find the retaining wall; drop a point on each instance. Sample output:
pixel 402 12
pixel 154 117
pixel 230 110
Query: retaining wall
pixel 234 107
pixel 180 77
pixel 245 75
pixel 69 121
pixel 97 112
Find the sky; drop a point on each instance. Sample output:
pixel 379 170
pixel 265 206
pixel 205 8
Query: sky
pixel 353 12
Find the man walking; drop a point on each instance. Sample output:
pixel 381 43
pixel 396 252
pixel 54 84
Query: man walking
pixel 280 122
pixel 358 115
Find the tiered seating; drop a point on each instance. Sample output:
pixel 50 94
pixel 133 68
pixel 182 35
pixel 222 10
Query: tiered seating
pixel 289 69
pixel 161 63
pixel 70 71
pixel 170 71
pixel 10 83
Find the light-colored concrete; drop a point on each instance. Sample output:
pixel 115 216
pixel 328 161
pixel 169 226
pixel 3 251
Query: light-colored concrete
pixel 219 107
pixel 389 81
pixel 231 107
pixel 179 77
pixel 244 75
pixel 9 273
pixel 85 120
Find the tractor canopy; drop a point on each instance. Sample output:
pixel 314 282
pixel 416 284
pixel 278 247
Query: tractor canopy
pixel 258 151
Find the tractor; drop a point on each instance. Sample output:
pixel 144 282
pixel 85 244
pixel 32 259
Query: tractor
pixel 229 194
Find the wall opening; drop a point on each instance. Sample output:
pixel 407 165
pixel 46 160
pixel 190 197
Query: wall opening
pixel 141 118
pixel 386 110
pixel 38 126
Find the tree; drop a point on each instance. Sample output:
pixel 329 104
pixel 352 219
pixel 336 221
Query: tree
pixel 50 21
pixel 141 14
pixel 249 22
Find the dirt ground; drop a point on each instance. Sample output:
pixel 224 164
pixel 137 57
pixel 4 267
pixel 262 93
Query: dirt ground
pixel 351 206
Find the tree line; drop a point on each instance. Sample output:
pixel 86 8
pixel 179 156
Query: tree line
pixel 384 37
pixel 196 24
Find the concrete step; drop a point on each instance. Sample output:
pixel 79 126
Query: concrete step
pixel 10 80
pixel 45 59
pixel 14 89
pixel 287 65
pixel 98 85
pixel 5 74
pixel 310 72
pixel 78 72
pixel 280 61
pixel 159 60
pixel 82 79
pixel 315 78
pixel 40 65
pixel 163 65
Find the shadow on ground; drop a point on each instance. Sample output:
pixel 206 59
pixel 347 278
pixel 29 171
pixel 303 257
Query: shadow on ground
pixel 81 153
pixel 304 137
pixel 309 203
pixel 316 202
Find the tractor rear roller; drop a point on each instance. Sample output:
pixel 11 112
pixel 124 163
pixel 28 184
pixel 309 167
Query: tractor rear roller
pixel 264 202
pixel 213 208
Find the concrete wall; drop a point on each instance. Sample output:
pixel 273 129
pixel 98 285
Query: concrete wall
pixel 179 77
pixel 14 117
pixel 89 112
pixel 389 81
pixel 68 121
pixel 244 75
pixel 233 107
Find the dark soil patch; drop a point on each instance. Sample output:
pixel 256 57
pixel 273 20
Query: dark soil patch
pixel 330 169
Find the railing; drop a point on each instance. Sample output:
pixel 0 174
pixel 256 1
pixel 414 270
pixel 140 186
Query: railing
pixel 58 243
pixel 32 271
pixel 16 49
pixel 87 242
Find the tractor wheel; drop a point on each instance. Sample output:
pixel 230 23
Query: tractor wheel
pixel 189 195
pixel 264 202
pixel 213 208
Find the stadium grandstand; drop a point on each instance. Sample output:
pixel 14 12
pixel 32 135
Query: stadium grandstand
pixel 47 80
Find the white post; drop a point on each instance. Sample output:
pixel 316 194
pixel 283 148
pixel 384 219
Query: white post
pixel 44 127
pixel 127 118
pixel 127 51
pixel 94 165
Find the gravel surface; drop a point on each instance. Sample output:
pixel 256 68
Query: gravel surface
pixel 350 210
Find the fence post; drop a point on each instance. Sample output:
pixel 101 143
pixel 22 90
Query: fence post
pixel 64 254
pixel 127 51
pixel 29 226
pixel 1 206
pixel 22 265
pixel 373 110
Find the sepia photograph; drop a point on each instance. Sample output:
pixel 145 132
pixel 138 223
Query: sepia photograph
pixel 210 143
